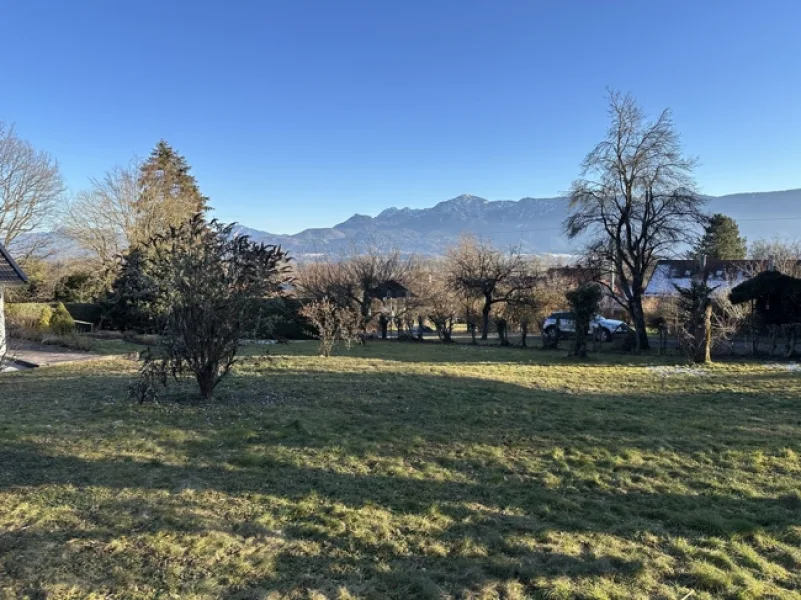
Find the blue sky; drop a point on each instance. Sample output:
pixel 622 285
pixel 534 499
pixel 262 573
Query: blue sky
pixel 300 113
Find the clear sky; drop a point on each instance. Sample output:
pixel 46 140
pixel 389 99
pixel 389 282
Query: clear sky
pixel 300 113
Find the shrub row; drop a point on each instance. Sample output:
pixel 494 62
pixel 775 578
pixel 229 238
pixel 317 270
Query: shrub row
pixel 38 316
pixel 273 318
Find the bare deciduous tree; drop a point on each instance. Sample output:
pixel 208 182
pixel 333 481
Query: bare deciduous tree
pixel 360 280
pixel 30 189
pixel 636 197
pixel 442 305
pixel 476 268
pixel 129 205
pixel 332 323
pixel 528 308
pixel 784 255
pixel 103 219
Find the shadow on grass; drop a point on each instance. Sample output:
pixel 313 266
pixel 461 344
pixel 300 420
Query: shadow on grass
pixel 533 505
pixel 473 433
pixel 484 517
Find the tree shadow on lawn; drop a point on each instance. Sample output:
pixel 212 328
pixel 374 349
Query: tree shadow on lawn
pixel 532 506
pixel 397 411
pixel 417 415
pixel 373 568
pixel 485 497
pixel 488 513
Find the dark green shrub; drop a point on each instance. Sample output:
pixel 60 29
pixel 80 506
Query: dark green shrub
pixel 81 286
pixel 62 322
pixel 90 312
pixel 584 302
pixel 131 305
pixel 280 318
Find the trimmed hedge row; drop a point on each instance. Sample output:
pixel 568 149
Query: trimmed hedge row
pixel 85 311
pixel 274 317
pixel 27 314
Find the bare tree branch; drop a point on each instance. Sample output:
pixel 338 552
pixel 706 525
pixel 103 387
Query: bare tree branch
pixel 636 199
pixel 30 190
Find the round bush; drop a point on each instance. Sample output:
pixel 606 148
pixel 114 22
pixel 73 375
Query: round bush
pixel 62 322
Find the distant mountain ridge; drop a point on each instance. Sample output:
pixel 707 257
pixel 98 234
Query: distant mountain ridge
pixel 535 224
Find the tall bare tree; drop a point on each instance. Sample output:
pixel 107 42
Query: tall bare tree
pixel 636 199
pixel 784 255
pixel 477 268
pixel 30 189
pixel 103 219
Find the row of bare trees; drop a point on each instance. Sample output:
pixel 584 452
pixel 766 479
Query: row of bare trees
pixel 473 283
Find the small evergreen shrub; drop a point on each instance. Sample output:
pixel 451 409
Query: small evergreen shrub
pixel 62 323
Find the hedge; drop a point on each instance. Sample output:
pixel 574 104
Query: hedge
pixel 85 311
pixel 25 314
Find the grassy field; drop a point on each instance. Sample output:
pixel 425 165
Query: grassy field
pixel 405 471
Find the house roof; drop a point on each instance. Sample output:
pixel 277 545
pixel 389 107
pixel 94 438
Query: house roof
pixel 10 272
pixel 720 274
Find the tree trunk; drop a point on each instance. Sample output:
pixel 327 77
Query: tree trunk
pixel 445 334
pixel 580 341
pixel 485 315
pixel 472 328
pixel 207 381
pixel 384 324
pixel 502 332
pixel 523 334
pixel 638 317
pixel 703 340
pixel 754 330
pixel 366 313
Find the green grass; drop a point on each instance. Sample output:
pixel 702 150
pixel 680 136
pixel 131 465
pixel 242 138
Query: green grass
pixel 405 471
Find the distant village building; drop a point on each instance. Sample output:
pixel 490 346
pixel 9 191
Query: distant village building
pixel 11 275
pixel 722 275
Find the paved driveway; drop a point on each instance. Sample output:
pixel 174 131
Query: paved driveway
pixel 39 355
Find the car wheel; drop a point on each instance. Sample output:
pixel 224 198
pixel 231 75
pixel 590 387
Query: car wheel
pixel 606 335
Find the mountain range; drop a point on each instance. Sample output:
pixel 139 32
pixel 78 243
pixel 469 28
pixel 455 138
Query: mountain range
pixel 534 224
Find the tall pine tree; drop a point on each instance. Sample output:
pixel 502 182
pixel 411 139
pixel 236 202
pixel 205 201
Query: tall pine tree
pixel 721 239
pixel 168 193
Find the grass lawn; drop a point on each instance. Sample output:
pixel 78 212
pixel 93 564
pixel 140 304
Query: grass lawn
pixel 405 471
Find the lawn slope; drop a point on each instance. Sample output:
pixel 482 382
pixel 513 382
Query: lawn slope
pixel 405 471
